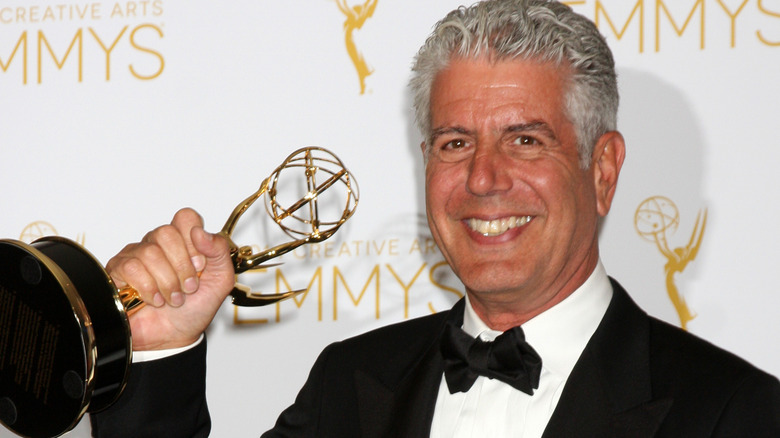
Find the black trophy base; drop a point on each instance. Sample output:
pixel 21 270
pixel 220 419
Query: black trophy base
pixel 65 346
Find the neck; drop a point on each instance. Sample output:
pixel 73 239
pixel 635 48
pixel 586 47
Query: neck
pixel 503 310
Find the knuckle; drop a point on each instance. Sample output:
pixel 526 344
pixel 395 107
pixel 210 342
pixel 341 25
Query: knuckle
pixel 133 268
pixel 168 285
pixel 151 253
pixel 166 235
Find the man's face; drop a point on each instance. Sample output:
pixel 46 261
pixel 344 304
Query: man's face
pixel 508 203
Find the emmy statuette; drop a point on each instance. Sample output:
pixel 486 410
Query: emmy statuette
pixel 65 342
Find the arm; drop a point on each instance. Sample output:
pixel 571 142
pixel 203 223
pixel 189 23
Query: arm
pixel 183 274
pixel 165 397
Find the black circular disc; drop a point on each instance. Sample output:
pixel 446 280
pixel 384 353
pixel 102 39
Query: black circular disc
pixel 47 348
pixel 108 316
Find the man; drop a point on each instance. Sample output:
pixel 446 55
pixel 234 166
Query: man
pixel 517 100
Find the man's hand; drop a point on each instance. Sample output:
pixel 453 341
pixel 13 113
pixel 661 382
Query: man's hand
pixel 182 273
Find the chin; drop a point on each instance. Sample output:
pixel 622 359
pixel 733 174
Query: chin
pixel 492 278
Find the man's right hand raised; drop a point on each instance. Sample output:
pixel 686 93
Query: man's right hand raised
pixel 183 273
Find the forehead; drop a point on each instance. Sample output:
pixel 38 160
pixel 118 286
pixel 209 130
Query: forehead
pixel 481 88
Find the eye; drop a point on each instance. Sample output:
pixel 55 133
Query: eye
pixel 526 140
pixel 455 145
pixel 453 149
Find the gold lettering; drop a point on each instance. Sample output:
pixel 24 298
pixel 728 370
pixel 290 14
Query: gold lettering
pixel 393 249
pixel 108 50
pixel 659 4
pixel 157 8
pixel 771 14
pixel 147 50
pixel 406 287
pixel 429 246
pixel 42 38
pixel 117 11
pixel 48 14
pixel 237 320
pixel 131 9
pixel 733 17
pixel 344 250
pixel 298 303
pixel 640 6
pixel 337 275
pixel 378 250
pixel 22 41
pixel 328 247
pixel 432 277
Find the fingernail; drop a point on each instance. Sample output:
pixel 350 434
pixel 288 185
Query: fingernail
pixel 199 262
pixel 177 299
pixel 158 300
pixel 190 285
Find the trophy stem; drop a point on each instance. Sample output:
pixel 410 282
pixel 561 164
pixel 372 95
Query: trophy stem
pixel 130 300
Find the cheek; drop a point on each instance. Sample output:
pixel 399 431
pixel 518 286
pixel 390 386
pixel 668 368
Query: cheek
pixel 440 184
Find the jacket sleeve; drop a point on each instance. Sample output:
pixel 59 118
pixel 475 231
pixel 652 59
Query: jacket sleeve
pixel 164 397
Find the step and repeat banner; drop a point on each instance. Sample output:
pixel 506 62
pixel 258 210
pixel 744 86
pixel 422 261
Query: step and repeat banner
pixel 115 114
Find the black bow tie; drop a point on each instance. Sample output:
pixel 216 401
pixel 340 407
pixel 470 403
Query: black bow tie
pixel 509 358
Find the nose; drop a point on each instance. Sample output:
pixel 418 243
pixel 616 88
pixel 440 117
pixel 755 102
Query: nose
pixel 488 172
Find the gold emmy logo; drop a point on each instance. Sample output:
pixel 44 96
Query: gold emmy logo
pixel 656 218
pixel 356 16
pixel 38 229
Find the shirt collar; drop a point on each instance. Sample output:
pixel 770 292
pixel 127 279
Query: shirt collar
pixel 560 333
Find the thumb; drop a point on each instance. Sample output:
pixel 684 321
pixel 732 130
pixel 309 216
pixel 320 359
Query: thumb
pixel 213 247
pixel 213 261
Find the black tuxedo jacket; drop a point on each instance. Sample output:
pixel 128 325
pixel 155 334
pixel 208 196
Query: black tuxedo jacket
pixel 637 377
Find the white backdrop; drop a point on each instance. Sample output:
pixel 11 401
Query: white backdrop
pixel 161 104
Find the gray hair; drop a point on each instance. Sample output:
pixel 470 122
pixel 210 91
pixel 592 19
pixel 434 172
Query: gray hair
pixel 540 30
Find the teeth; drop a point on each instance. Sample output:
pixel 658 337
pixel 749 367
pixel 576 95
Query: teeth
pixel 497 226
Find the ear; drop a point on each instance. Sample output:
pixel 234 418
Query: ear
pixel 608 156
pixel 424 149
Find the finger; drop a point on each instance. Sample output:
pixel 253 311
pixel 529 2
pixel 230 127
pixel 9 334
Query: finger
pixel 185 220
pixel 168 261
pixel 131 267
pixel 176 273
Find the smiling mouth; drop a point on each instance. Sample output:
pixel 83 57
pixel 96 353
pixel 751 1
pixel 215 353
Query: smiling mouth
pixel 497 227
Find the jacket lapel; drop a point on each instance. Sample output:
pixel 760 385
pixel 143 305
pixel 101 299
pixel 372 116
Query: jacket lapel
pixel 608 393
pixel 402 405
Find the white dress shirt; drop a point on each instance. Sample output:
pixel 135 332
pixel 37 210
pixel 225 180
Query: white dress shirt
pixel 149 355
pixel 492 408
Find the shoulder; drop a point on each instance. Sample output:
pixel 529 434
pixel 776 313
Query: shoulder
pixel 712 389
pixel 410 335
pixel 681 356
pixel 687 353
pixel 386 353
pixel 701 377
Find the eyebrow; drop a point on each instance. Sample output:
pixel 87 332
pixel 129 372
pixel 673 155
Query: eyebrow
pixel 537 126
pixel 438 132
